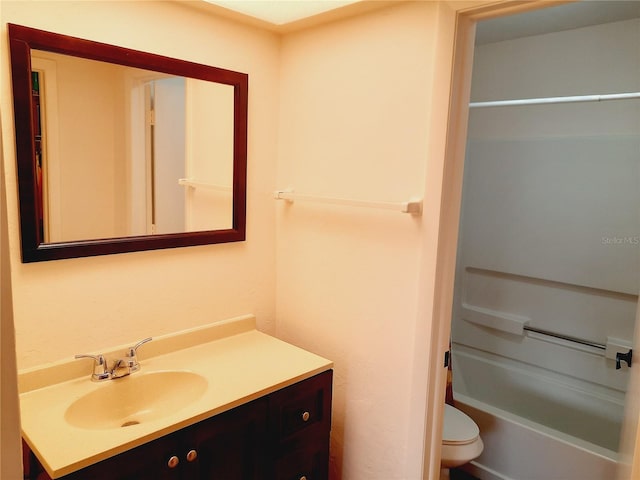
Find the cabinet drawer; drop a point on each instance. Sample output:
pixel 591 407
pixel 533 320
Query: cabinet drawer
pixel 302 413
pixel 308 463
pixel 303 409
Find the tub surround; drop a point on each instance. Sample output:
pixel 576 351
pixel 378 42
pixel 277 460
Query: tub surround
pixel 541 249
pixel 239 363
pixel 507 436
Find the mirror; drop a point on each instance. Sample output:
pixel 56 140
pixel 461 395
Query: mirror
pixel 120 150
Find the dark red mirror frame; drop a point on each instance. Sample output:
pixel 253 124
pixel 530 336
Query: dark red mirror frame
pixel 22 41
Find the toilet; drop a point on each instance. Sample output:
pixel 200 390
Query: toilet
pixel 461 440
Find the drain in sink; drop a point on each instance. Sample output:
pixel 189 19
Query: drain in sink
pixel 129 423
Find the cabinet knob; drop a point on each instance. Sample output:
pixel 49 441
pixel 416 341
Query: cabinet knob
pixel 192 455
pixel 173 462
pixel 305 418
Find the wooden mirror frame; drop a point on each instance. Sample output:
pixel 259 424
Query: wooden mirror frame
pixel 22 41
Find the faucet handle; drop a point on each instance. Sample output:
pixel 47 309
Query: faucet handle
pixel 132 359
pixel 133 350
pixel 99 359
pixel 100 371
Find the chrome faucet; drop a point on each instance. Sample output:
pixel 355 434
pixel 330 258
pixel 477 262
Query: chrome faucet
pixel 121 367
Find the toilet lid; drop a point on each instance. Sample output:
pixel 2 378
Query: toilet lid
pixel 458 429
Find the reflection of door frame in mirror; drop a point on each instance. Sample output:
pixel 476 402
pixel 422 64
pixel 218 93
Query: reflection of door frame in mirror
pixel 50 141
pixel 21 41
pixel 138 162
pixel 168 154
pixel 141 220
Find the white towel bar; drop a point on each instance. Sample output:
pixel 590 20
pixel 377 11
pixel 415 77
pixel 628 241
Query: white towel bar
pixel 187 182
pixel 412 206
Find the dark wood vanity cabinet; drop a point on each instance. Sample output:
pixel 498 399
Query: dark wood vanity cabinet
pixel 283 436
pixel 227 446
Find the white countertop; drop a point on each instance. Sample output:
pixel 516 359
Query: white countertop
pixel 239 363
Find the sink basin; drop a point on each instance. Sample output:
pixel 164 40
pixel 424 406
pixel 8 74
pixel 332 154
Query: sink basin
pixel 135 399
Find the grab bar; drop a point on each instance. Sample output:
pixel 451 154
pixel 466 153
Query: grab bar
pixel 568 338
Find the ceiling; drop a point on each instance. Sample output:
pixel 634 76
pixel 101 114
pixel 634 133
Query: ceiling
pixel 555 19
pixel 281 12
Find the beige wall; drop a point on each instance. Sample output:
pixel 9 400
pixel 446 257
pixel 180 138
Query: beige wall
pixel 10 467
pixel 355 123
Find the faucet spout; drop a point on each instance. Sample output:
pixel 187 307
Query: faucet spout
pixel 118 365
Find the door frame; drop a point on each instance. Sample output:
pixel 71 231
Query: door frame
pixel 457 22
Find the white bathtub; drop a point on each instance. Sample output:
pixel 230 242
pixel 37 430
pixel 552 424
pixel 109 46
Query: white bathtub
pixel 491 389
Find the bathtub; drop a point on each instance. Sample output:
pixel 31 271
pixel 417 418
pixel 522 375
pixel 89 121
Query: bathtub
pixel 515 407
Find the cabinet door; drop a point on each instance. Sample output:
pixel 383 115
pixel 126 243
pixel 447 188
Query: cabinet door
pixel 232 445
pixel 146 462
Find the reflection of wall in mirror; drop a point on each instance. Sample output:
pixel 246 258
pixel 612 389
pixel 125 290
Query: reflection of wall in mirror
pixel 210 154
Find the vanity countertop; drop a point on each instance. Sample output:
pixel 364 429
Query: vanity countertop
pixel 238 362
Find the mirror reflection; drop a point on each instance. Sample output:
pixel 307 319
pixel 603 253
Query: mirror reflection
pixel 120 150
pixel 116 153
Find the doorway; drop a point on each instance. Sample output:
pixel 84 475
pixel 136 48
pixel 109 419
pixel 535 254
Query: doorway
pixel 536 298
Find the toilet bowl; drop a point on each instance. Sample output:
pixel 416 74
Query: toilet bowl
pixel 461 440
